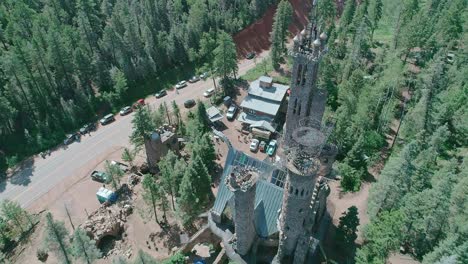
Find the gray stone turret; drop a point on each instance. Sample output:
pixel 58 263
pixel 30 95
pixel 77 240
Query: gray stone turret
pixel 306 99
pixel 296 208
pixel 242 182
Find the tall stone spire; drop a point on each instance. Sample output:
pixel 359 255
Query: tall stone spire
pixel 304 138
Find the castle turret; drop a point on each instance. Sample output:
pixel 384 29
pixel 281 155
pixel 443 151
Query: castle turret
pixel 242 182
pixel 306 99
pixel 293 220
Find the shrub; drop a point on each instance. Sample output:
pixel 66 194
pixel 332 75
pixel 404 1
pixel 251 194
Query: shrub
pixel 42 254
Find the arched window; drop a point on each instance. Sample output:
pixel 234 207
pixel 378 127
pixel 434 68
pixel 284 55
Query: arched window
pixel 299 111
pixel 295 106
pixel 302 192
pixel 297 192
pixel 304 75
pixel 299 74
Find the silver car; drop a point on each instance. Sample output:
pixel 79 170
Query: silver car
pixel 181 84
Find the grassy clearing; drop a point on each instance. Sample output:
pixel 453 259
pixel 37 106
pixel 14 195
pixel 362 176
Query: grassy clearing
pixel 265 67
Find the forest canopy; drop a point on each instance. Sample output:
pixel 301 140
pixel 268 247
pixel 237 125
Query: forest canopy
pixel 64 61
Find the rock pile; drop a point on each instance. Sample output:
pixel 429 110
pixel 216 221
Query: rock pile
pixel 107 221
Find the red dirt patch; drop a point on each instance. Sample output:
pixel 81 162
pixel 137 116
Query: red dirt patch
pixel 256 37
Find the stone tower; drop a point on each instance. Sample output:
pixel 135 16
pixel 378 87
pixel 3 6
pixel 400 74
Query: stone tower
pixel 304 138
pixel 306 99
pixel 242 182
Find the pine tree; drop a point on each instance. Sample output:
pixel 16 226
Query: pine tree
pixel 129 156
pixel 56 238
pixel 347 228
pixel 153 194
pixel 142 126
pixel 115 174
pixel 84 248
pixel 225 56
pixel 278 36
pixel 168 174
pixel 12 211
pixel 194 190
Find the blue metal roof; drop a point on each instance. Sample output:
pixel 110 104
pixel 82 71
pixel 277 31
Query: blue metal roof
pixel 268 196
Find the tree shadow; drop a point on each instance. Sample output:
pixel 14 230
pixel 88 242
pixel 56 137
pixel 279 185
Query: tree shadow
pixel 23 173
pixel 170 236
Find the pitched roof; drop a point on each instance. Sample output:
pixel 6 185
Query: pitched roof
pixel 274 93
pixel 268 196
pixel 261 105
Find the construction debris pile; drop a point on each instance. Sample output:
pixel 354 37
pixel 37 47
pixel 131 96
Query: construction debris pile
pixel 108 223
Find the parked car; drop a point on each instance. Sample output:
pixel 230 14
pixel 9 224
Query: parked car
pixel 138 104
pixel 125 111
pixel 271 147
pixel 107 119
pixel 204 75
pixel 70 138
pixel 194 79
pixel 181 84
pixel 100 176
pixel 189 103
pixel 262 146
pixel 161 94
pixel 208 92
pixel 87 128
pixel 250 55
pixel 254 145
pixel 231 112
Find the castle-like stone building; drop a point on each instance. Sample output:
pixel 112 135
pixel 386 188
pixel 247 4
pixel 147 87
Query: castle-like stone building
pixel 265 207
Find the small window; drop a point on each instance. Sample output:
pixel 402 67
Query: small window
pixel 300 211
pixel 302 192
pixel 297 192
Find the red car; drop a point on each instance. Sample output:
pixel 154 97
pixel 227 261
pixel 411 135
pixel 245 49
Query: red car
pixel 138 103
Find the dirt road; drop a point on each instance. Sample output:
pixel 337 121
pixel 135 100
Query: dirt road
pixel 40 176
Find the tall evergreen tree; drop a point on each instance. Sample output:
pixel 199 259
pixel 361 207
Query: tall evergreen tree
pixel 84 248
pixel 56 238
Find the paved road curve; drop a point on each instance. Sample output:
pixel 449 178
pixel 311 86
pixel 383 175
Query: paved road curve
pixel 39 177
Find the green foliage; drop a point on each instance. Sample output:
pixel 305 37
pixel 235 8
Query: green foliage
pixel 56 239
pixel 120 87
pixel 12 211
pixel 382 236
pixel 115 174
pixel 129 156
pixel 347 228
pixel 171 172
pixel 154 196
pixel 278 36
pixel 83 247
pixel 351 178
pixel 143 125
pixel 77 57
pixel 194 190
pixel 225 56
pixel 177 258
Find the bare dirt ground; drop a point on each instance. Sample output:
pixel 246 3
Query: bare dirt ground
pixel 256 37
